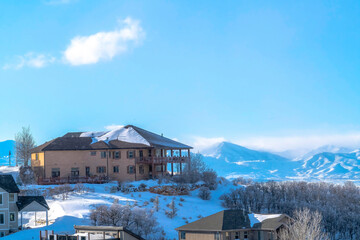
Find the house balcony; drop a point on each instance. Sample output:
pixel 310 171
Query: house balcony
pixel 161 160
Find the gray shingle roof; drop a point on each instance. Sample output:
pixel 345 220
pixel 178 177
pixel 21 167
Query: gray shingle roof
pixel 73 141
pixel 24 201
pixel 8 183
pixel 230 220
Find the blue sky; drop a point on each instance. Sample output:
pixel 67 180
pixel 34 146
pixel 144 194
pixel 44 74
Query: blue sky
pixel 253 72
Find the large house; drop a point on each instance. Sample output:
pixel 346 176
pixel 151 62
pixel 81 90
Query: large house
pixel 125 153
pixel 11 205
pixel 234 225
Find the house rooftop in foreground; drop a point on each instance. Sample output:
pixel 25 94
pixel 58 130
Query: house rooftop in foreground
pixel 121 138
pixel 233 220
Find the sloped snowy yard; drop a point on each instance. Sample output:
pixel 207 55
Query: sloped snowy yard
pixel 64 214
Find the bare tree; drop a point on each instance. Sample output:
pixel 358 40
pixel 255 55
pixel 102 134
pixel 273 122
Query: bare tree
pixel 156 203
pixel 24 143
pixel 305 225
pixel 173 209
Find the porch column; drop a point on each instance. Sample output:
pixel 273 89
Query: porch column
pixel 35 218
pixel 47 218
pixel 21 220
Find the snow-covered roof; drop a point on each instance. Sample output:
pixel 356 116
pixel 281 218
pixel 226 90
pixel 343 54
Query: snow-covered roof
pixel 259 218
pixel 127 137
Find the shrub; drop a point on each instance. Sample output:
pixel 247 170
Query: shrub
pixel 204 193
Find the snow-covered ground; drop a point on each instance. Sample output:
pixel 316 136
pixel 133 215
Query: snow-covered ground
pixel 64 214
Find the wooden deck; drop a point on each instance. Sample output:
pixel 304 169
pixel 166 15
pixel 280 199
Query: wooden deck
pixel 161 160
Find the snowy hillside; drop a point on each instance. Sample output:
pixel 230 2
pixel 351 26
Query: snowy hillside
pixel 231 160
pixel 64 214
pixel 331 166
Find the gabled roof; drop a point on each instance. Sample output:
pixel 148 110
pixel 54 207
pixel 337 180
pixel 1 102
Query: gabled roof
pixel 24 201
pixel 8 183
pixel 84 141
pixel 231 220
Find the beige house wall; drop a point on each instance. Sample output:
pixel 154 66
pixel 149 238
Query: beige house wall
pixel 230 235
pixel 43 163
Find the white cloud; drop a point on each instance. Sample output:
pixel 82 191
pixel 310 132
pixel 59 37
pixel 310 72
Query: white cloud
pixel 103 45
pixel 30 59
pixel 307 142
pixel 202 143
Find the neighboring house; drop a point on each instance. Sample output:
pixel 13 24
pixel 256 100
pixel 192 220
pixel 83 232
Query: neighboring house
pixel 126 153
pixel 11 205
pixel 97 233
pixel 234 224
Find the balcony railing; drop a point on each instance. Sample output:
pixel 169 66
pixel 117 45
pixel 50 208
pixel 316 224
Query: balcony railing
pixel 157 160
pixel 72 180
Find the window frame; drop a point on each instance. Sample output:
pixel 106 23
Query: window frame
pixel 2 213
pixel 131 154
pixel 77 171
pixel 12 194
pixel 93 153
pixel 116 168
pixel 52 171
pixel 100 167
pixel 141 169
pixel 131 167
pixel 182 235
pixel 117 154
pixel 10 213
pixel 1 198
pixel 103 154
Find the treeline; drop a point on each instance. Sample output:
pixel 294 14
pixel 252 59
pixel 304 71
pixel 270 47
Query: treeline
pixel 338 204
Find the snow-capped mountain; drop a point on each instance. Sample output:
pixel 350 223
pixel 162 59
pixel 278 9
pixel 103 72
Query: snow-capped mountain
pixel 331 166
pixel 231 160
pixel 324 149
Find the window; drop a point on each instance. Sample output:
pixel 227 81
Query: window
pixel 1 198
pixel 158 168
pixel 37 156
pixel 93 153
pixel 131 169
pixel 245 235
pixel 12 217
pixel 141 154
pixel 55 172
pixel 75 172
pixel 103 154
pixel 12 197
pixel 87 171
pixel 141 169
pixel 117 155
pixel 237 235
pixel 101 169
pixel 217 236
pixel 2 234
pixel 183 235
pixel 2 218
pixel 131 154
pixel 116 169
pixel 83 238
pixel 149 152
